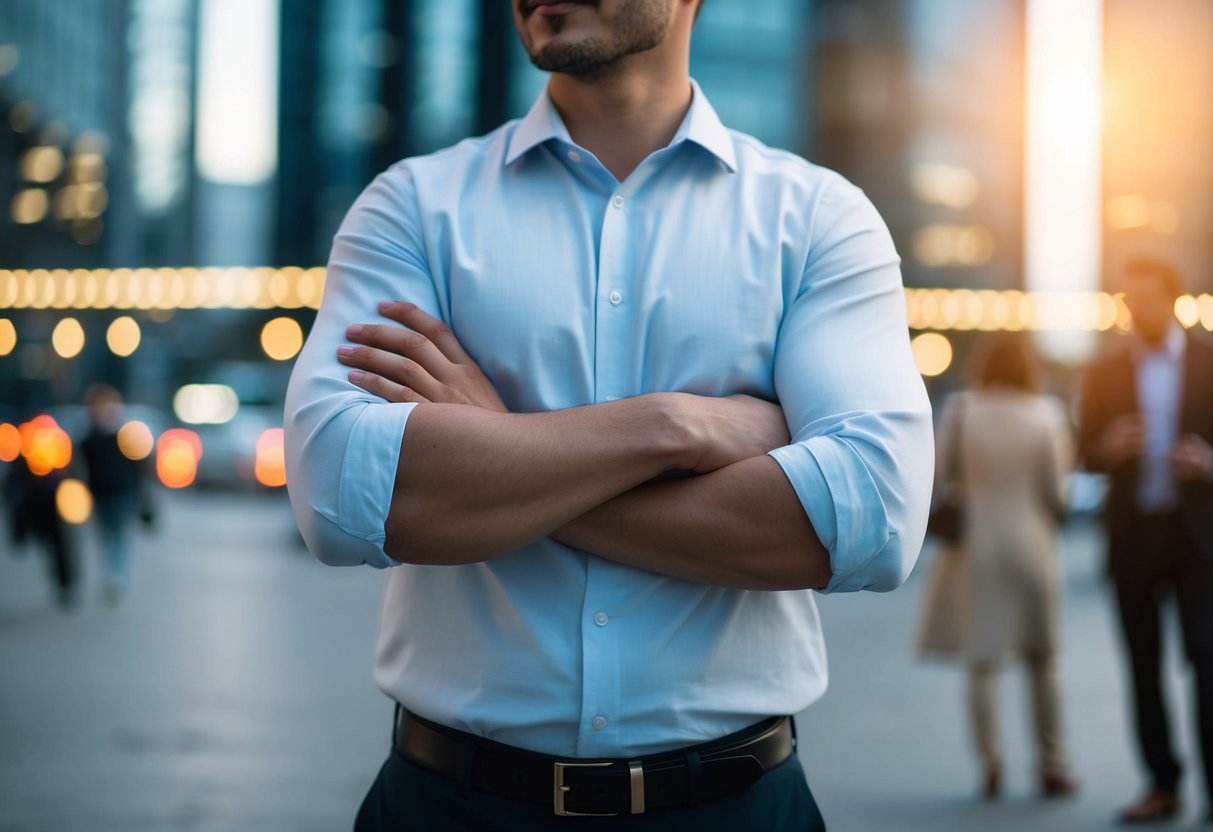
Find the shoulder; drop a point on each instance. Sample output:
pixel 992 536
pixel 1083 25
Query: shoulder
pixel 1115 358
pixel 762 163
pixel 465 159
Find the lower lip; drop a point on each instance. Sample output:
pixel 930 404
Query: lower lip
pixel 557 9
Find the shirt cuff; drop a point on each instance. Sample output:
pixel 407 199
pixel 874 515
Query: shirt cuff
pixel 367 484
pixel 843 504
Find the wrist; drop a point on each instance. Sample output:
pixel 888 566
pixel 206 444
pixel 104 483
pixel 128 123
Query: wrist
pixel 674 430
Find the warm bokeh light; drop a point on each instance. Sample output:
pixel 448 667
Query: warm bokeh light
pixel 157 289
pixel 177 454
pixel 205 404
pixel 270 465
pixel 45 446
pixel 952 186
pixel 1127 211
pixel 1187 310
pixel 41 164
pixel 135 440
pixel 68 338
pixel 953 245
pixel 282 338
pixel 10 442
pixel 8 336
pixel 30 206
pixel 123 336
pixel 73 501
pixel 932 353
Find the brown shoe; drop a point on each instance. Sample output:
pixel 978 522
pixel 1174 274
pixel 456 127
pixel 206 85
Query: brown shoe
pixel 1156 805
pixel 1057 785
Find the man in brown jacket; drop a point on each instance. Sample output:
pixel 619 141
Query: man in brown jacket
pixel 1147 421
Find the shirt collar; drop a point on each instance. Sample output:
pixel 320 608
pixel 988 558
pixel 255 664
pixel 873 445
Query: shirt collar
pixel 701 126
pixel 1172 346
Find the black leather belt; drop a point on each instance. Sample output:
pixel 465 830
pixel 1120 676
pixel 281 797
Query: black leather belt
pixel 597 787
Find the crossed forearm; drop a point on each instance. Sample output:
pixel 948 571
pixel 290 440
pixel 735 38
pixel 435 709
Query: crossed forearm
pixel 741 527
pixel 476 483
pixel 473 483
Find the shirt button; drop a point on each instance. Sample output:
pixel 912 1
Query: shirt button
pixel 617 200
pixel 601 619
pixel 599 723
pixel 616 298
pixel 574 156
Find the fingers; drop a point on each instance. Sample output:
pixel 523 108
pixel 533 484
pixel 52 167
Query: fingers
pixel 403 343
pixel 384 388
pixel 438 333
pixel 391 368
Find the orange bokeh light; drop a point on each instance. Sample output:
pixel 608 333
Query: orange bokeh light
pixel 135 440
pixel 45 445
pixel 270 465
pixel 10 442
pixel 177 453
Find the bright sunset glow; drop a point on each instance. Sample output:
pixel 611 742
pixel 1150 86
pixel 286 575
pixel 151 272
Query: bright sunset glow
pixel 1062 230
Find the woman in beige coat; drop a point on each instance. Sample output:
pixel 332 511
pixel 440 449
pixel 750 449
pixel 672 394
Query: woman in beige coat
pixel 996 594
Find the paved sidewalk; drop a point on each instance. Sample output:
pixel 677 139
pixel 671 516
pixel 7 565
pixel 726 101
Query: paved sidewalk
pixel 232 691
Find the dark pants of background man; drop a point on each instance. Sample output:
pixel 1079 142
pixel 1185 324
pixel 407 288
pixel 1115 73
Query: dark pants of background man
pixel 1167 563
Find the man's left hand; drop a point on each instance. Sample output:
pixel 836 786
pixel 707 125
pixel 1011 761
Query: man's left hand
pixel 418 361
pixel 1192 458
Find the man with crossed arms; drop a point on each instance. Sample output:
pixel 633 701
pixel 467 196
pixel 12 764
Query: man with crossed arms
pixel 620 387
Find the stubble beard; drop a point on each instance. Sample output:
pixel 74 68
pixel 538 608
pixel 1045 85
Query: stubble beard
pixel 637 26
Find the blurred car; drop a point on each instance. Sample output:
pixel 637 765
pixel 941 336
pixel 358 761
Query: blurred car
pixel 229 450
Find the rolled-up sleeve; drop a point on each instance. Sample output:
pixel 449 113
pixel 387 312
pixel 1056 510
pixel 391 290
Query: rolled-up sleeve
pixel 862 455
pixel 342 443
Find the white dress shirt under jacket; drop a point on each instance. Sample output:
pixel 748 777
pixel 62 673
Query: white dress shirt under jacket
pixel 1159 378
pixel 718 266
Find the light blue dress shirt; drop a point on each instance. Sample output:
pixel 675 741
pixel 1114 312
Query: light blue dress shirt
pixel 1159 374
pixel 719 266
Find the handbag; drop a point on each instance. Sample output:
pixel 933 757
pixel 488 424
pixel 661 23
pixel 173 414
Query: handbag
pixel 946 518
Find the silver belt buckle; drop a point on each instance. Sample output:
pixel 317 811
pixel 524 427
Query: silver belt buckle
pixel 560 789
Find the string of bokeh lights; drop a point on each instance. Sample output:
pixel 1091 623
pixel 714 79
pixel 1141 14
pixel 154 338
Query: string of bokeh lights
pixel 155 294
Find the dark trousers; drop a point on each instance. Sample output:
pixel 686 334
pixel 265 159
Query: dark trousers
pixel 1166 563
pixel 407 797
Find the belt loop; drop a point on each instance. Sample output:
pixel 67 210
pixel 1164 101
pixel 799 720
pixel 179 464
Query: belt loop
pixel 395 723
pixel 792 720
pixel 467 769
pixel 693 779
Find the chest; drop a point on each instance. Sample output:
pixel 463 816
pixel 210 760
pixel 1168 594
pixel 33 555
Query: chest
pixel 566 298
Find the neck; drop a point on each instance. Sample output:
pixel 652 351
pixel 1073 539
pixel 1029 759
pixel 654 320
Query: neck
pixel 1154 340
pixel 623 117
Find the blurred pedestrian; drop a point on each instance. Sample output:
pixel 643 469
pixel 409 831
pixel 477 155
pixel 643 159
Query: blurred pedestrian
pixel 117 483
pixel 1147 421
pixel 995 593
pixel 614 287
pixel 34 514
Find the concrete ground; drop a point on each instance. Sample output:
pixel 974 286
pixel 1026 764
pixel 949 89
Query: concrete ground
pixel 232 691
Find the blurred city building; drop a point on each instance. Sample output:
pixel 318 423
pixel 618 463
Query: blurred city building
pixel 172 171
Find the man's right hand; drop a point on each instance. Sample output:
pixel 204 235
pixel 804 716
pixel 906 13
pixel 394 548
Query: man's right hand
pixel 1123 439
